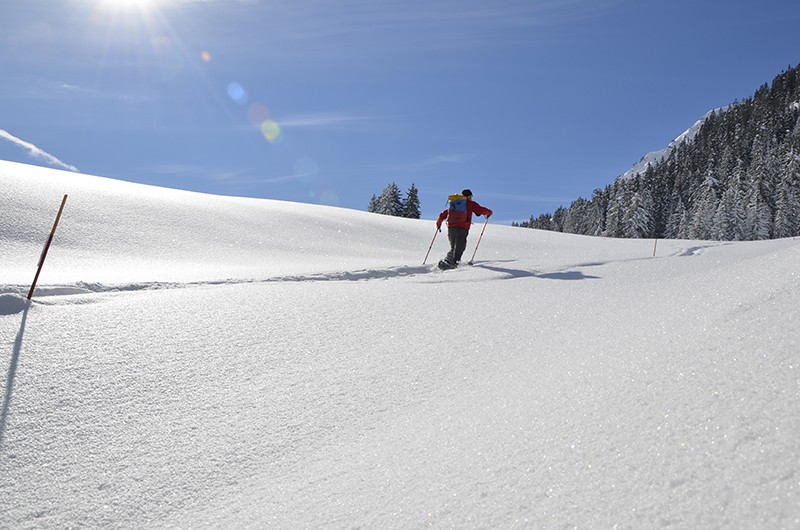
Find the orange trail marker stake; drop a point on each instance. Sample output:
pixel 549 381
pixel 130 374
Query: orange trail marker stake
pixel 46 248
pixel 430 247
pixel 479 242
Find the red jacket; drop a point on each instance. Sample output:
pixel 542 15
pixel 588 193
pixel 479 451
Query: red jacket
pixel 472 208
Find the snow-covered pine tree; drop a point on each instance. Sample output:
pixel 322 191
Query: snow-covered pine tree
pixel 574 217
pixel 640 222
pixel 597 209
pixel 685 225
pixel 726 222
pixel 703 212
pixel 557 220
pixel 614 222
pixel 389 202
pixel 758 218
pixel 787 207
pixel 783 225
pixel 411 205
pixel 373 205
pixel 673 228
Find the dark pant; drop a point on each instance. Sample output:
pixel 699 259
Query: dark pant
pixel 458 243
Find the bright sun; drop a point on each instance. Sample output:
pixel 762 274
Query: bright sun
pixel 127 5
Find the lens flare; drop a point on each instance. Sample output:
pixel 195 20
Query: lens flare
pixel 257 114
pixel 271 131
pixel 237 93
pixel 205 57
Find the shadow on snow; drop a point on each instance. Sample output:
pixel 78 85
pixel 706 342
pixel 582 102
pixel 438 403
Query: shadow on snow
pixel 12 373
pixel 522 273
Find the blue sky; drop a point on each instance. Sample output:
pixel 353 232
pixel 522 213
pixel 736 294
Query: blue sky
pixel 530 103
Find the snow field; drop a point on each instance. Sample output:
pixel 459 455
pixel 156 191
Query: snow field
pixel 173 371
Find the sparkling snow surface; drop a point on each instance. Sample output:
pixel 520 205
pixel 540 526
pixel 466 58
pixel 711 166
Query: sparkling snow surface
pixel 196 361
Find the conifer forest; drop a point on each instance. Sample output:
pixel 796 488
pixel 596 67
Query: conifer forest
pixel 737 179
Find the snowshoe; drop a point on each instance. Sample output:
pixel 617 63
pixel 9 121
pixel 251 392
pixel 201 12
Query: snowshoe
pixel 445 265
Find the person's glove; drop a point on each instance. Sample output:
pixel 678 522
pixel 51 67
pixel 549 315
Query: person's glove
pixel 439 227
pixel 488 215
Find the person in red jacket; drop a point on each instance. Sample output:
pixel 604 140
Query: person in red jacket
pixel 458 223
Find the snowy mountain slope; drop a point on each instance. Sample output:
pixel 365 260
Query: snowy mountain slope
pixel 116 232
pixel 654 157
pixel 111 229
pixel 272 364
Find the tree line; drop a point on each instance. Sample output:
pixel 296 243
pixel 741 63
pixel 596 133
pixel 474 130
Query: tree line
pixel 737 179
pixel 391 202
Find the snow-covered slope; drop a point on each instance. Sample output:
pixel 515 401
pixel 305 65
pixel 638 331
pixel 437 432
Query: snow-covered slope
pixel 117 231
pixel 654 157
pixel 198 361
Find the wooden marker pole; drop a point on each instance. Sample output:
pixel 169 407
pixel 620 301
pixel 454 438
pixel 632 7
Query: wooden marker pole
pixel 479 241
pixel 47 247
pixel 430 247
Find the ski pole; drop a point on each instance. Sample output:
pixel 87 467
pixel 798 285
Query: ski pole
pixel 46 247
pixel 479 241
pixel 430 247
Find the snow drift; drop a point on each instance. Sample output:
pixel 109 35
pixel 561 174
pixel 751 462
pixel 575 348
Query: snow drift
pixel 199 361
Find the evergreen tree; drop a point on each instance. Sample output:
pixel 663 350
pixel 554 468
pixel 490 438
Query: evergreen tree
pixel 557 221
pixel 673 227
pixel 597 212
pixel 703 214
pixel 373 205
pixel 614 220
pixel 640 223
pixel 726 221
pixel 787 208
pixel 685 225
pixel 544 222
pixel 758 219
pixel 411 206
pixel 785 211
pixel 573 219
pixel 389 202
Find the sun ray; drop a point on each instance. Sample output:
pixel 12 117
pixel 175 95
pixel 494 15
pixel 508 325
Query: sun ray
pixel 127 5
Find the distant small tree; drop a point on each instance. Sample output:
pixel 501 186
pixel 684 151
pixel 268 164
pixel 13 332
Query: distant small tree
pixel 390 202
pixel 373 204
pixel 411 204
